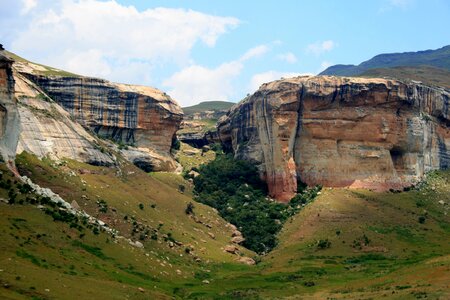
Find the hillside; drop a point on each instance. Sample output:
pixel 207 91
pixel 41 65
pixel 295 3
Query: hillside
pixel 78 259
pixel 81 219
pixel 426 74
pixel 344 245
pixel 207 106
pixel 439 58
pixel 199 122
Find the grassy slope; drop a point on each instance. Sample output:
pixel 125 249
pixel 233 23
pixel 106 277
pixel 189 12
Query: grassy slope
pixel 403 260
pixel 426 74
pixel 439 58
pixel 193 160
pixel 207 105
pixel 49 71
pixel 54 262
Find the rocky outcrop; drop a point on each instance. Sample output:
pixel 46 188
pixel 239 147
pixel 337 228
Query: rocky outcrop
pixel 340 132
pixel 47 130
pixel 140 118
pixel 206 115
pixel 9 117
pixel 137 115
pixel 197 134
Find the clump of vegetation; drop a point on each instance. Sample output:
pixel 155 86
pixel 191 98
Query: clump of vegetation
pixel 102 206
pixel 235 189
pixel 141 206
pixel 361 242
pixel 323 244
pixel 189 209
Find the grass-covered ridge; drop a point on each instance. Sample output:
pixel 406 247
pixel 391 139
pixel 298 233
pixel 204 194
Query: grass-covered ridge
pixel 426 74
pixel 207 106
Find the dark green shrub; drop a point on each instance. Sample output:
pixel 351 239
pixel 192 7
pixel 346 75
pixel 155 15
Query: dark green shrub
pixel 189 209
pixel 323 244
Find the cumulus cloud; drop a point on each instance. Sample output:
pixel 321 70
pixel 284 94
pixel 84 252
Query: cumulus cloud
pixel 197 83
pixel 321 47
pixel 288 57
pixel 119 38
pixel 258 79
pixel 255 52
pixel 28 5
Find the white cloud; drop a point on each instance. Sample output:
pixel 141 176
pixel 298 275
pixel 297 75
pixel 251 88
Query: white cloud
pixel 389 5
pixel 288 57
pixel 258 79
pixel 121 38
pixel 255 52
pixel 28 5
pixel 197 83
pixel 320 47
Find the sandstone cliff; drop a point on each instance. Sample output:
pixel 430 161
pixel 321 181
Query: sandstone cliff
pixel 340 132
pixel 143 118
pixel 9 117
pixel 47 130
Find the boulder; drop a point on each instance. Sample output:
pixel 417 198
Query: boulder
pixel 237 239
pixel 246 260
pixel 231 249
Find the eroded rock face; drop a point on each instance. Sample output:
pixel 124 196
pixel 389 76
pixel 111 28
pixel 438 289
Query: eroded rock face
pixel 339 132
pixel 143 116
pixel 9 117
pixel 138 116
pixel 47 130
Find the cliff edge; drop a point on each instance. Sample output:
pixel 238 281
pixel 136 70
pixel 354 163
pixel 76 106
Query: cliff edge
pixel 340 132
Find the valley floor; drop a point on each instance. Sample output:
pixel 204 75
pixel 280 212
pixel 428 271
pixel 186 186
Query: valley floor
pixel 347 244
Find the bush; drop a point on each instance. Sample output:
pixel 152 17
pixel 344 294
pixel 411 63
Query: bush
pixel 422 219
pixel 141 206
pixel 102 206
pixel 189 209
pixel 323 244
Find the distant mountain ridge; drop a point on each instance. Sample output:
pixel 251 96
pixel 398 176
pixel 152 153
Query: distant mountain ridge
pixel 207 106
pixel 439 58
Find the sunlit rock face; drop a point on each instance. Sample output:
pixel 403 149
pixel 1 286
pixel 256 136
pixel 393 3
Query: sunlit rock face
pixel 139 115
pixel 340 132
pixel 143 119
pixel 9 116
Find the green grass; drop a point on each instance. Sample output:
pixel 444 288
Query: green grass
pixel 439 58
pixel 426 74
pixel 403 259
pixel 193 161
pixel 207 105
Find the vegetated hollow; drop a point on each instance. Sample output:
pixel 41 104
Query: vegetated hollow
pixel 235 189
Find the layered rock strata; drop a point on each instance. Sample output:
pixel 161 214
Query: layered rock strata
pixel 143 119
pixel 47 130
pixel 137 115
pixel 340 132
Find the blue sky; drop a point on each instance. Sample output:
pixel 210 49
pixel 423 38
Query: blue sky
pixel 215 50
